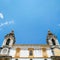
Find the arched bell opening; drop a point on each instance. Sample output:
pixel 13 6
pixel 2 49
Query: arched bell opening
pixel 8 41
pixel 53 41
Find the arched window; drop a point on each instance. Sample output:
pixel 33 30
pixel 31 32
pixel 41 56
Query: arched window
pixel 8 41
pixel 30 53
pixel 45 59
pixel 16 59
pixel 30 59
pixel 53 41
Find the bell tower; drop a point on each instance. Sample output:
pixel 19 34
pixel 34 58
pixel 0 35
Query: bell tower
pixel 52 39
pixel 54 45
pixel 9 39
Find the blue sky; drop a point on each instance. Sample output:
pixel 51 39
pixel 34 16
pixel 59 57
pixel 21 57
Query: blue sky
pixel 30 19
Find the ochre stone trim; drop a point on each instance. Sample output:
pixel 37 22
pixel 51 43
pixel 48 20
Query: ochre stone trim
pixel 31 57
pixel 17 54
pixel 30 48
pixel 44 52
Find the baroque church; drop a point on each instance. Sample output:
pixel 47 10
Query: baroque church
pixel 11 51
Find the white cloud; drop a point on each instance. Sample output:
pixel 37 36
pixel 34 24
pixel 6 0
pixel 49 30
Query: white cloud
pixel 6 23
pixel 11 22
pixel 1 16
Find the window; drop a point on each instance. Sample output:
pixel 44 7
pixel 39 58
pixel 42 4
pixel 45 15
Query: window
pixel 8 41
pixel 53 42
pixel 30 53
pixel 30 59
pixel 16 59
pixel 45 59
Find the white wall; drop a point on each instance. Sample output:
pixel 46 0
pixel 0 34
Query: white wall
pixel 12 52
pixel 49 59
pixel 38 59
pixel 4 42
pixel 13 59
pixel 49 52
pixel 50 42
pixel 11 42
pixel 24 53
pixel 37 53
pixel 21 59
pixel 32 59
pixel 24 59
pixel 29 59
pixel 57 43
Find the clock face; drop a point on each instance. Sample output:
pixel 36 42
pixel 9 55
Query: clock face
pixel 4 51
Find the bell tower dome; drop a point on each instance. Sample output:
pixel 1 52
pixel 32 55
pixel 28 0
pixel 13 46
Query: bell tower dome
pixel 9 39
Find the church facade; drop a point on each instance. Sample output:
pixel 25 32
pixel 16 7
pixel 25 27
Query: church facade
pixel 11 51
